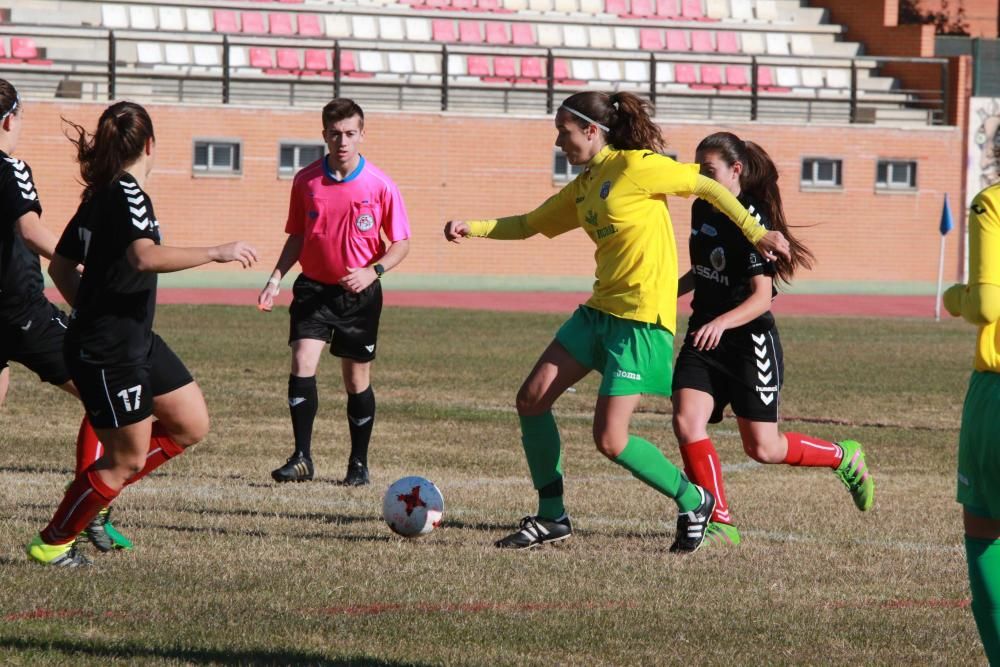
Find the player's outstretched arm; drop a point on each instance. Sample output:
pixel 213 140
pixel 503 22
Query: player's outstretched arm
pixel 65 277
pixel 770 243
pixel 286 260
pixel 144 255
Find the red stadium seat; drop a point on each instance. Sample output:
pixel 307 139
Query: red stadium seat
pixel 478 66
pixel 736 77
pixel 701 41
pixel 504 69
pixel 728 42
pixel 24 49
pixel 488 5
pixel 643 9
pixel 261 58
pixel 521 34
pixel 280 24
pixel 226 21
pixel 469 32
pixel 685 73
pixel 691 9
pixel 463 5
pixel 651 39
pixel 253 23
pixel 349 68
pixel 309 26
pixel 765 81
pixel 677 40
pixel 317 60
pixel 496 33
pixel 288 59
pixel 667 9
pixel 560 74
pixel 711 76
pixel 443 30
pixel 617 7
pixel 532 70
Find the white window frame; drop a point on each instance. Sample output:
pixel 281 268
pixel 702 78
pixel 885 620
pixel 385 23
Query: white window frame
pixel 891 166
pixel 212 145
pixel 296 145
pixel 815 182
pixel 568 172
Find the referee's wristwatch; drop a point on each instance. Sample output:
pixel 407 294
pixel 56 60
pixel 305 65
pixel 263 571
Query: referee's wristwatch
pixel 379 270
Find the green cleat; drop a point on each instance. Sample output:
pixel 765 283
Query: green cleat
pixel 59 555
pixel 103 535
pixel 853 472
pixel 720 534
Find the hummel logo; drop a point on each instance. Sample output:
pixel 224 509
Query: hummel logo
pixel 359 422
pixel 138 199
pixel 292 402
pixel 137 212
pixel 141 224
pixel 26 326
pixel 370 348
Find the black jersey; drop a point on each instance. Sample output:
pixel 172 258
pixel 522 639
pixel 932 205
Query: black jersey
pixel 112 319
pixel 20 272
pixel 723 262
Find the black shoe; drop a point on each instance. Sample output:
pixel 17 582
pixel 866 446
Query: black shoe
pixel 691 525
pixel 357 474
pixel 103 535
pixel 298 468
pixel 535 531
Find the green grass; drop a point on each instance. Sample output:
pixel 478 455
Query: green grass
pixel 233 569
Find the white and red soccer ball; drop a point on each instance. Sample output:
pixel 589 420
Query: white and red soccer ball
pixel 412 506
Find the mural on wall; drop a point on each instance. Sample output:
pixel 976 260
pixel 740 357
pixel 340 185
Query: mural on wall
pixel 984 145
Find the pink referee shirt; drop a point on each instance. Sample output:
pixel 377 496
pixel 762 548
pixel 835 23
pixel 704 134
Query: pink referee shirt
pixel 341 220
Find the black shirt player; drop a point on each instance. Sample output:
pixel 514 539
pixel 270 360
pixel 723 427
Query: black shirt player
pixel 125 373
pixel 732 353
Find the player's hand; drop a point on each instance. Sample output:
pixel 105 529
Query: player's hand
pixel 237 251
pixel 265 300
pixel 455 230
pixel 707 336
pixel 774 244
pixel 358 279
pixel 953 299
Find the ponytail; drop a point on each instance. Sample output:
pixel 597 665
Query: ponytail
pixel 120 138
pixel 759 180
pixel 625 119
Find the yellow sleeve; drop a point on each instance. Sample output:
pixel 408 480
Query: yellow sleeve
pixel 978 302
pixel 554 217
pixel 661 175
pixel 724 200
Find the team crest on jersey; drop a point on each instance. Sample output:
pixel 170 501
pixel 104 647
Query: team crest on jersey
pixel 605 189
pixel 364 222
pixel 718 259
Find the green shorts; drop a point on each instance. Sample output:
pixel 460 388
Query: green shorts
pixel 634 357
pixel 979 447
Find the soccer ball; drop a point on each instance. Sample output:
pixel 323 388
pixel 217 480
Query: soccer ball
pixel 412 506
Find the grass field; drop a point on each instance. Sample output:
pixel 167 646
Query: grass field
pixel 233 569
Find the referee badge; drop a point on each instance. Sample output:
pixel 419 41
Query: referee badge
pixel 605 189
pixel 364 222
pixel 718 259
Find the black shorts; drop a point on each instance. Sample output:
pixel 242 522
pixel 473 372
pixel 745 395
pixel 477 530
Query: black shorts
pixel 116 396
pixel 37 343
pixel 330 313
pixel 746 371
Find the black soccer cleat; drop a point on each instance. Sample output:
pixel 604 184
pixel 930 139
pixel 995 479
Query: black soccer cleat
pixel 691 525
pixel 357 474
pixel 298 468
pixel 534 531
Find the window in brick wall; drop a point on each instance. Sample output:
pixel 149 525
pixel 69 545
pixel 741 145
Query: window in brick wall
pixel 293 155
pixel 562 170
pixel 896 175
pixel 217 157
pixel 821 172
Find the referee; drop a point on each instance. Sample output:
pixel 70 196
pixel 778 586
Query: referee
pixel 342 212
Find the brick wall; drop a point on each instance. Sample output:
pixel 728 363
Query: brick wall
pixel 455 166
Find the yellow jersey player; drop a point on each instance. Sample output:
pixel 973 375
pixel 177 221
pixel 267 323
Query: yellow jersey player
pixel 978 302
pixel 625 330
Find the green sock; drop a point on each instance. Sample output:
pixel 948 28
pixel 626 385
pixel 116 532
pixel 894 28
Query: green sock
pixel 647 463
pixel 540 437
pixel 983 557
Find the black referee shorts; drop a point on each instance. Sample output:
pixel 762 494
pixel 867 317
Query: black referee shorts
pixel 746 371
pixel 332 314
pixel 36 342
pixel 116 396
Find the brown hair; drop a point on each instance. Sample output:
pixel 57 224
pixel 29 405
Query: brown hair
pixel 8 99
pixel 759 179
pixel 121 136
pixel 627 117
pixel 341 108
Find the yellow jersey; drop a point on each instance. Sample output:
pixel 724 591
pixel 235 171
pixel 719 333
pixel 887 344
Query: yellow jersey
pixel 979 301
pixel 620 202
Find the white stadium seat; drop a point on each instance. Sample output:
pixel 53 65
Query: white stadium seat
pixel 777 44
pixel 627 38
pixel 390 27
pixel 149 53
pixel 143 17
pixel 171 19
pixel 337 25
pixel 198 20
pixel 550 34
pixel 601 37
pixel 575 36
pixel 418 30
pixel 364 28
pixel 114 16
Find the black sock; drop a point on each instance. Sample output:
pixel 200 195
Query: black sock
pixel 360 418
pixel 303 402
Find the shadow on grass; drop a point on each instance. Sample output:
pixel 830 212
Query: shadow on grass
pixel 301 516
pixel 37 470
pixel 258 534
pixel 186 655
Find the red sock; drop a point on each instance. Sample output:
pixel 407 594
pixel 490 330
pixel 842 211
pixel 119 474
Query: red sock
pixel 702 466
pixel 162 448
pixel 804 450
pixel 83 500
pixel 88 447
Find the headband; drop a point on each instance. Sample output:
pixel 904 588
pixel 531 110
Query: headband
pixel 586 118
pixel 12 109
